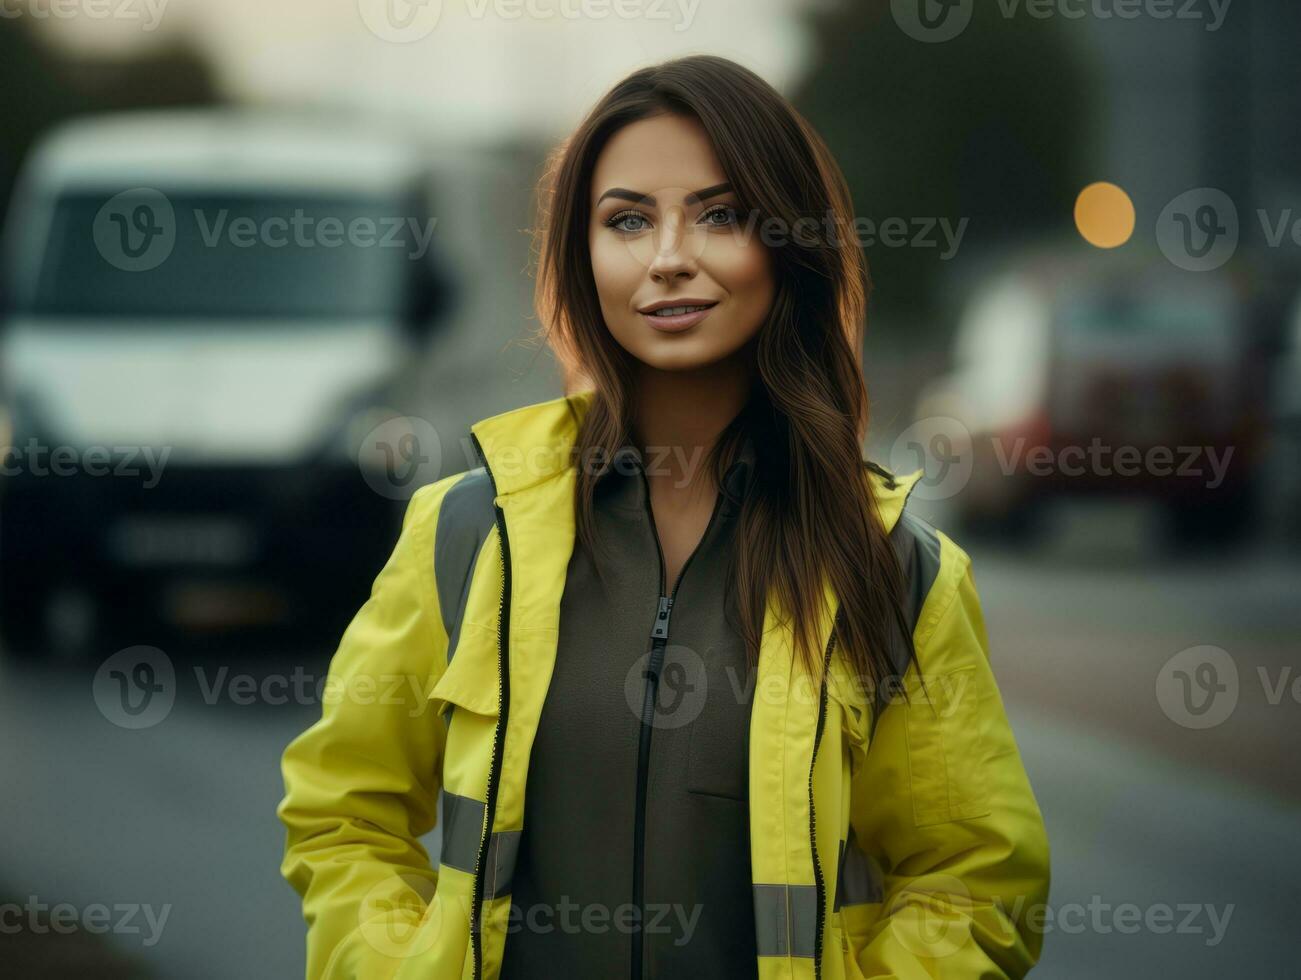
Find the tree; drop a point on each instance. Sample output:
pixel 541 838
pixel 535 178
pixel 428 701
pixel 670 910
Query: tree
pixel 994 126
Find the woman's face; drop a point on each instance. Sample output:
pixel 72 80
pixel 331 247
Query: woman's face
pixel 665 229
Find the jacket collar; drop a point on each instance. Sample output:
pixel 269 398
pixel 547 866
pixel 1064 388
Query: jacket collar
pixel 531 444
pixel 528 445
pixel 623 480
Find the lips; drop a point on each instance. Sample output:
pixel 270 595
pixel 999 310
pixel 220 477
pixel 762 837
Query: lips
pixel 677 310
pixel 676 317
pixel 678 307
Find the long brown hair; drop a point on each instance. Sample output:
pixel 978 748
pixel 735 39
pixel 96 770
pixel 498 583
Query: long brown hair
pixel 809 514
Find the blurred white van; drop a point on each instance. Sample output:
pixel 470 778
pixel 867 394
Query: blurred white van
pixel 206 312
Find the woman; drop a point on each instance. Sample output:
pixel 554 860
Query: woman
pixel 745 694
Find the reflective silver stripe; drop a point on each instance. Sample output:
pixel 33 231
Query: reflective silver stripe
pixel 462 825
pixel 917 545
pixel 464 520
pixel 785 919
pixel 858 881
pixel 503 849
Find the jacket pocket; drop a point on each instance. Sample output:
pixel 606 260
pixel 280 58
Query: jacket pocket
pixel 946 749
pixel 465 699
pixel 470 679
pixel 718 753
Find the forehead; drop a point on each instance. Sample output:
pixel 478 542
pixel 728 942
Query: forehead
pixel 664 155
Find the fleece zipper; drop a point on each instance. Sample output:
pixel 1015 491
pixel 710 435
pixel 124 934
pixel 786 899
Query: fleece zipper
pixel 659 640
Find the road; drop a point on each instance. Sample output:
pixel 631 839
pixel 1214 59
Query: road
pixel 1196 828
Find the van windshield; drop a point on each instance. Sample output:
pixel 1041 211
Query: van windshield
pixel 146 254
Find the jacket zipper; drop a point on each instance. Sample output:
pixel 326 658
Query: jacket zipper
pixel 659 640
pixel 498 739
pixel 813 820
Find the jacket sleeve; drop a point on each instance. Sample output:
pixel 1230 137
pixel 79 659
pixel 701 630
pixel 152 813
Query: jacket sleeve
pixel 361 784
pixel 943 808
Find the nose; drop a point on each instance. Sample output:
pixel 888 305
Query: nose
pixel 674 258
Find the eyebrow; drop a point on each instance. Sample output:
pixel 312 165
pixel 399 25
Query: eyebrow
pixel 693 198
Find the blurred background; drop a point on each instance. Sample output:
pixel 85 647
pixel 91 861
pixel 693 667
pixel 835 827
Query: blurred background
pixel 264 264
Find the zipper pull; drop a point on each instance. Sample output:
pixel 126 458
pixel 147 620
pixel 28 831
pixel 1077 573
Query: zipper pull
pixel 661 629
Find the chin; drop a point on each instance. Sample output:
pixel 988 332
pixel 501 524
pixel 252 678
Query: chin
pixel 676 364
pixel 677 353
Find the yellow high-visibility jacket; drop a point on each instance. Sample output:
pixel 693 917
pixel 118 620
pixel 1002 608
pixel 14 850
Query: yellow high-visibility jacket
pixel 889 838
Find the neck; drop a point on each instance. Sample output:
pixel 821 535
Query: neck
pixel 678 415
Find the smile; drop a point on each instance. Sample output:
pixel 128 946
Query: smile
pixel 673 319
pixel 677 310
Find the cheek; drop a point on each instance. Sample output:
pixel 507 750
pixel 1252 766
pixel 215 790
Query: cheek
pixel 746 274
pixel 615 271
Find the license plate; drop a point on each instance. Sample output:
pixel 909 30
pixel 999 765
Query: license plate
pixel 207 605
pixel 152 540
